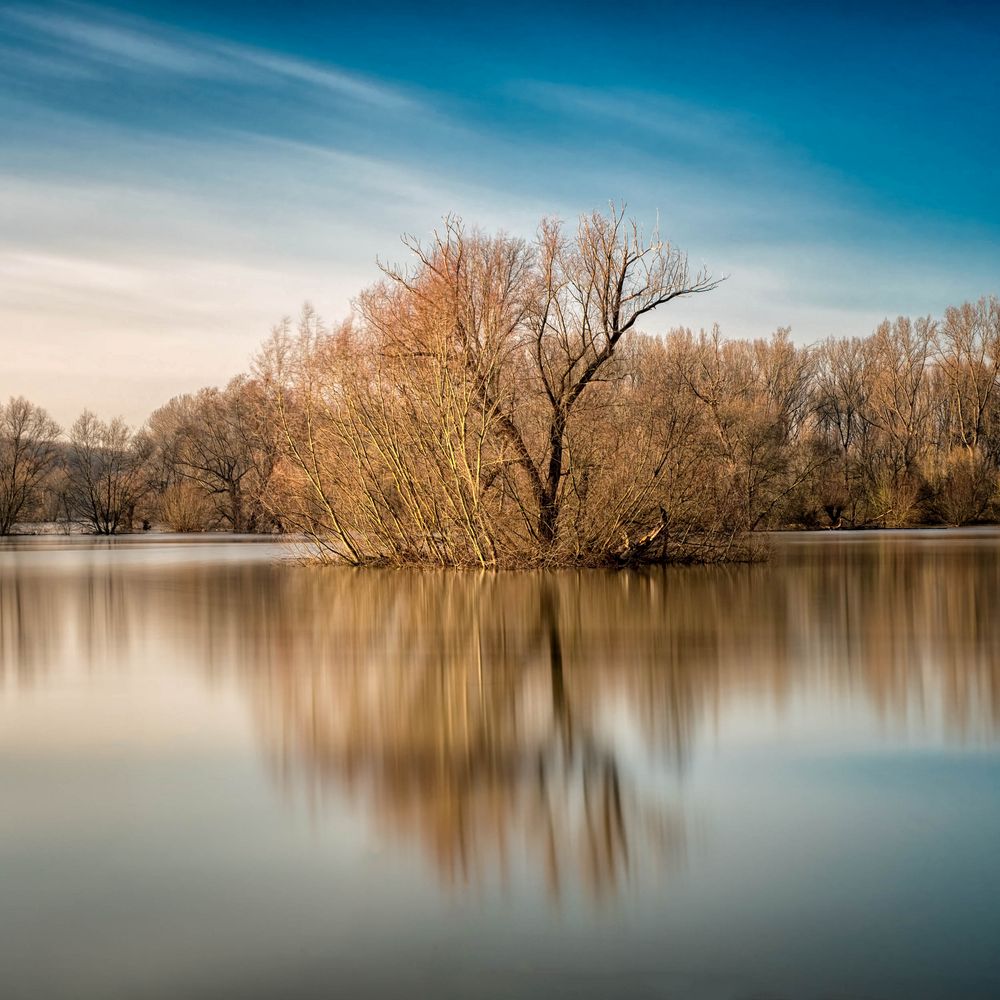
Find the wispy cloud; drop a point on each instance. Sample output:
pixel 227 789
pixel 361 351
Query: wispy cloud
pixel 726 147
pixel 337 81
pixel 681 122
pixel 25 63
pixel 116 44
pixel 93 39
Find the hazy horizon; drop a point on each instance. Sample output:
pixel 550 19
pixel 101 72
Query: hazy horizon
pixel 176 178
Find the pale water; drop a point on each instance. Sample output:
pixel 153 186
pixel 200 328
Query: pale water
pixel 223 774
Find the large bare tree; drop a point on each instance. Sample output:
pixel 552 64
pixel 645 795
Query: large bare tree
pixel 539 325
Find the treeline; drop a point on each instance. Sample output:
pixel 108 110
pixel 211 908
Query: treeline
pixel 202 462
pixel 495 405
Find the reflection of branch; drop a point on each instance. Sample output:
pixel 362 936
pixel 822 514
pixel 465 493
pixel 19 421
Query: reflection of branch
pixel 560 702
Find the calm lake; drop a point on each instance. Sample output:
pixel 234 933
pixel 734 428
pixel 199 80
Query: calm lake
pixel 224 774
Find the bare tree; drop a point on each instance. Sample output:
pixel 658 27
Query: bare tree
pixel 539 328
pixel 841 389
pixel 107 475
pixel 28 454
pixel 214 452
pixel 968 355
pixel 755 397
pixel 900 410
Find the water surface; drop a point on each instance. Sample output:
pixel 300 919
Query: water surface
pixel 223 774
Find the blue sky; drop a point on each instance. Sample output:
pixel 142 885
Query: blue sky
pixel 175 177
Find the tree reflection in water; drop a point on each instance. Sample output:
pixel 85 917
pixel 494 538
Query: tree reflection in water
pixel 449 704
pixel 532 719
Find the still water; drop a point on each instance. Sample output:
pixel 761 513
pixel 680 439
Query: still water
pixel 224 774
